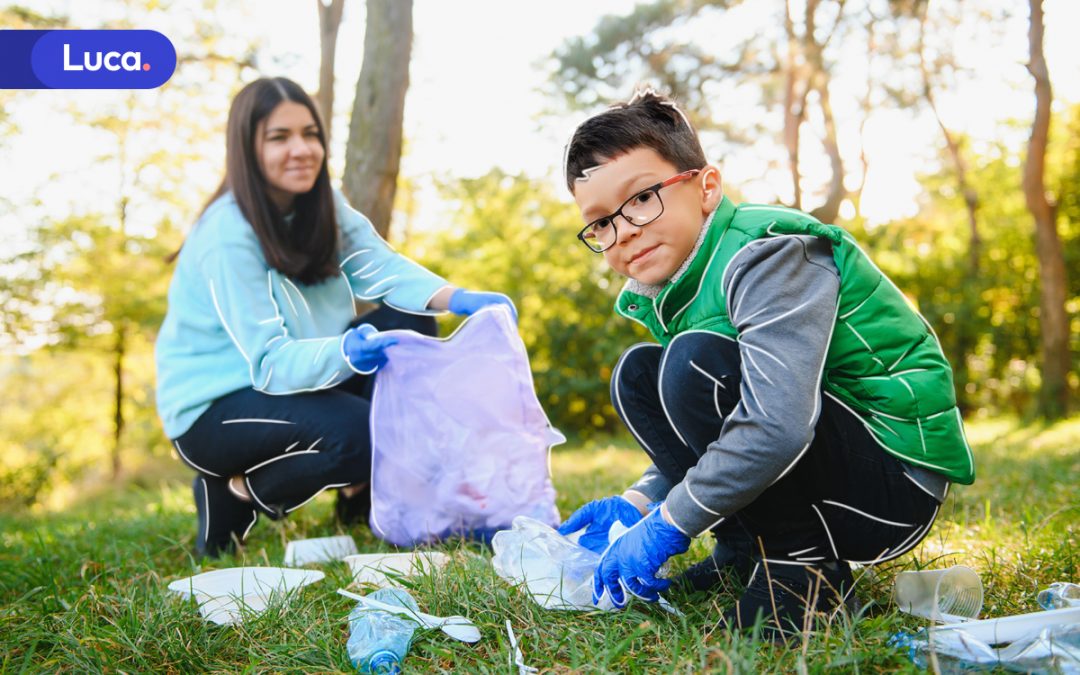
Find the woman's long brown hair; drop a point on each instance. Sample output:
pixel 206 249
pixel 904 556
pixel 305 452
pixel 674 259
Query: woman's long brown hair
pixel 306 249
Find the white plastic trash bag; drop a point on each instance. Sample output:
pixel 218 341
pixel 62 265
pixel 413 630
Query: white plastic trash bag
pixel 460 442
pixel 557 572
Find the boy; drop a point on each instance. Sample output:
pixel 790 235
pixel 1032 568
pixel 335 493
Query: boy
pixel 796 405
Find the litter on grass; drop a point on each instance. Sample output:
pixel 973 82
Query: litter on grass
pixel 384 569
pixel 456 626
pixel 1037 642
pixel 516 657
pixel 319 549
pixel 557 572
pixel 225 596
pixel 946 595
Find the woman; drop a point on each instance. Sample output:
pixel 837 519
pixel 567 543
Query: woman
pixel 261 380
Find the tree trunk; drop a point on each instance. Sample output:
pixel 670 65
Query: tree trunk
pixel 329 22
pixel 866 107
pixel 795 92
pixel 373 153
pixel 971 197
pixel 1053 399
pixel 120 325
pixel 811 73
pixel 964 342
pixel 828 211
pixel 118 400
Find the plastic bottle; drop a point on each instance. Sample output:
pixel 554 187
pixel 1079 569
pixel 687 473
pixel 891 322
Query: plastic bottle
pixel 378 640
pixel 1060 594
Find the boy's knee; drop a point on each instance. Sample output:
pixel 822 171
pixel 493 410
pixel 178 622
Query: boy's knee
pixel 694 362
pixel 641 359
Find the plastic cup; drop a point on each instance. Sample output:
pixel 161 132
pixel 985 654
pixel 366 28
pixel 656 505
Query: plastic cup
pixel 950 595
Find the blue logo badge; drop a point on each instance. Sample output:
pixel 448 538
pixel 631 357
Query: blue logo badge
pixel 85 59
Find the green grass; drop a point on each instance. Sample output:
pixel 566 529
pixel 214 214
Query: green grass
pixel 83 590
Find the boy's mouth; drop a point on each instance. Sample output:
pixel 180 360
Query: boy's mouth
pixel 641 254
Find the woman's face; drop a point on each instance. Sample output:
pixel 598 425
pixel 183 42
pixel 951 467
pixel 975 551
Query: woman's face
pixel 289 152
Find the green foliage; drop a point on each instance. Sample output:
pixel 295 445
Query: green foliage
pixel 988 322
pixel 56 413
pixel 511 234
pixel 987 317
pixel 84 289
pixel 648 44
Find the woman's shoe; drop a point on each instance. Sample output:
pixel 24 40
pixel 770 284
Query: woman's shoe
pixel 355 509
pixel 224 520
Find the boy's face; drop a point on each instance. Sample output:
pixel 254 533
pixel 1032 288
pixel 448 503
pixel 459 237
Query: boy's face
pixel 652 253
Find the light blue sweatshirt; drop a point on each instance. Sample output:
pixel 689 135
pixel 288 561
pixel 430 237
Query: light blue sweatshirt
pixel 234 322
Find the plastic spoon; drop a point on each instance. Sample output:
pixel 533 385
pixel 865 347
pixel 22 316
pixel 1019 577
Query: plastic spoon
pixel 457 626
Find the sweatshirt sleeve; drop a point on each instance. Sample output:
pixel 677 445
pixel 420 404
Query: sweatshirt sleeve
pixel 782 298
pixel 378 273
pixel 241 291
pixel 652 484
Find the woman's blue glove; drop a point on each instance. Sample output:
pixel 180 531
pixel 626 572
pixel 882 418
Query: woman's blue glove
pixel 631 562
pixel 467 303
pixel 596 518
pixel 365 349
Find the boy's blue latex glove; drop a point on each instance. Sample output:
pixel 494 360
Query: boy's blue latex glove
pixel 365 349
pixel 631 562
pixel 467 303
pixel 596 518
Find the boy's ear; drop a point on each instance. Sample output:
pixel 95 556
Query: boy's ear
pixel 712 189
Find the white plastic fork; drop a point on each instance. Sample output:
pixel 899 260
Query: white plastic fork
pixel 457 626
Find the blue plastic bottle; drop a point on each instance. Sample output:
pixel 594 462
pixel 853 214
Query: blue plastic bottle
pixel 378 640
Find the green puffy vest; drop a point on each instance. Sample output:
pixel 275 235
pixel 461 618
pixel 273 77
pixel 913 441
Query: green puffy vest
pixel 884 362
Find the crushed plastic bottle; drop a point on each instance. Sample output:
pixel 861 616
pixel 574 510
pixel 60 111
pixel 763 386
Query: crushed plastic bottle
pixel 1060 594
pixel 378 640
pixel 1052 651
pixel 555 570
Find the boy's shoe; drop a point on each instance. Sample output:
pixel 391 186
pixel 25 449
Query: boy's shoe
pixel 782 597
pixel 224 520
pixel 355 509
pixel 730 553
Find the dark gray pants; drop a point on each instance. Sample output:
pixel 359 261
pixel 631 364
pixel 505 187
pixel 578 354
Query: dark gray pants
pixel 845 498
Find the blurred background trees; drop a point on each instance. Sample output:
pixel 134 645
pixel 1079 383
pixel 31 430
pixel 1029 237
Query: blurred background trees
pixel 990 253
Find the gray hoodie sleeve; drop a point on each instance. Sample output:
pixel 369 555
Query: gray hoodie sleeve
pixel 652 484
pixel 782 298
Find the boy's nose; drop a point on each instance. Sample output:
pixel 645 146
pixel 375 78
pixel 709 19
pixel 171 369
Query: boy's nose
pixel 626 230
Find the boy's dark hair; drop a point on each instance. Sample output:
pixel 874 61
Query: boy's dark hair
pixel 647 120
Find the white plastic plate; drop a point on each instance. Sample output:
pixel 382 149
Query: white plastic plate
pixel 372 568
pixel 319 549
pixel 223 594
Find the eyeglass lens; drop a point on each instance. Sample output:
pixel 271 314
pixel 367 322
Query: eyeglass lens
pixel 641 209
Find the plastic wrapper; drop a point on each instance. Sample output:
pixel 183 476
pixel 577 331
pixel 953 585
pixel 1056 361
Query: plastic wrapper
pixel 1038 642
pixel 460 441
pixel 555 570
pixel 1052 651
pixel 557 573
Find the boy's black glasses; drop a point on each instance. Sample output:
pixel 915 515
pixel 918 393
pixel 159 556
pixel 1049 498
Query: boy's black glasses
pixel 640 210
